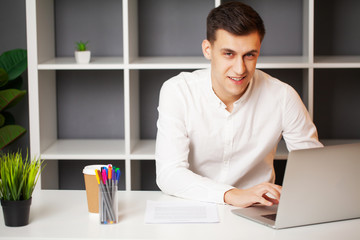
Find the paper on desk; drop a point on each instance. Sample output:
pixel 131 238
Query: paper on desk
pixel 180 212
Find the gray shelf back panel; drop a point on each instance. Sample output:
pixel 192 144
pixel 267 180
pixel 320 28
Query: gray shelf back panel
pixel 90 104
pixel 146 174
pixel 336 103
pixel 335 22
pixel 180 35
pixel 283 20
pixel 95 21
pixel 72 178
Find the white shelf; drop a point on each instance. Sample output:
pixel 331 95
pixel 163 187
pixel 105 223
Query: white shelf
pixel 43 63
pixel 68 63
pixel 169 63
pixel 337 62
pixel 144 149
pixel 282 62
pixel 83 149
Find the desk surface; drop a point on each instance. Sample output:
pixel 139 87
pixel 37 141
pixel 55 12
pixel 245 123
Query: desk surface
pixel 63 214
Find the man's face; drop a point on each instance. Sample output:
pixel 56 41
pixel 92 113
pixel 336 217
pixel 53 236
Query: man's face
pixel 233 61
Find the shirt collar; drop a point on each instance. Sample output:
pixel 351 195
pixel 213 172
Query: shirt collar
pixel 216 101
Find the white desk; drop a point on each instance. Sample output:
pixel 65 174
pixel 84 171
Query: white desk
pixel 63 214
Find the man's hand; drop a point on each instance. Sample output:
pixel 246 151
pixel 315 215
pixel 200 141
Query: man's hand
pixel 257 194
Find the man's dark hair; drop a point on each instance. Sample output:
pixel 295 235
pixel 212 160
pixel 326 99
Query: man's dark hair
pixel 236 18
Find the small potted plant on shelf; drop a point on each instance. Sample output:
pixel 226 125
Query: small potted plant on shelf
pixel 82 54
pixel 18 177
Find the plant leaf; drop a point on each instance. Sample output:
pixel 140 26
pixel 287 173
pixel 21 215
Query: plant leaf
pixel 10 133
pixel 4 77
pixel 14 62
pixel 10 97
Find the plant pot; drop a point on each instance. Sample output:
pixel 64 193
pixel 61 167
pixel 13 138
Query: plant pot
pixel 16 213
pixel 82 56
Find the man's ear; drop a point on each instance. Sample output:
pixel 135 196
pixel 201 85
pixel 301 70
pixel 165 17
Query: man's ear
pixel 206 48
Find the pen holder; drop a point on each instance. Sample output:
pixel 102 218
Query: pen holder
pixel 108 203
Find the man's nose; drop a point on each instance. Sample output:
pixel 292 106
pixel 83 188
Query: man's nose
pixel 239 66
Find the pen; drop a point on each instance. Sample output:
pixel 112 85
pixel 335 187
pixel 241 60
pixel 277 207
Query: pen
pixel 109 175
pixel 101 200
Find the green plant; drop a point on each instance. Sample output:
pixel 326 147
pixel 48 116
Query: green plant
pixel 18 176
pixel 12 64
pixel 81 46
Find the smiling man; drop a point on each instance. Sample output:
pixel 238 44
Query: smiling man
pixel 218 128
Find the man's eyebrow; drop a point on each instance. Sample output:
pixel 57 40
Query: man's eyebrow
pixel 227 50
pixel 232 51
pixel 252 51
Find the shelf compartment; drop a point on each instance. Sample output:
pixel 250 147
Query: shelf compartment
pixel 336 100
pixel 180 35
pixel 90 104
pixel 104 32
pixel 82 149
pixel 143 175
pixel 96 63
pixel 336 28
pixel 67 174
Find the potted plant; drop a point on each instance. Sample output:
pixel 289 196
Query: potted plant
pixel 12 64
pixel 18 178
pixel 82 54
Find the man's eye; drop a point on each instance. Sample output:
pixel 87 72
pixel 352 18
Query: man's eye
pixel 229 54
pixel 250 55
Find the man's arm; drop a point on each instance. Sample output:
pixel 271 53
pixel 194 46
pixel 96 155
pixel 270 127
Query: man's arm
pixel 173 175
pixel 299 131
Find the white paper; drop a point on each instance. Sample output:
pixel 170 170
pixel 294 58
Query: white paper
pixel 180 212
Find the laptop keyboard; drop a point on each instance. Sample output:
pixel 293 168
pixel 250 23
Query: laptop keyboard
pixel 270 216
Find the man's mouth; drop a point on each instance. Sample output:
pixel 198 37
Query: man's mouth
pixel 237 79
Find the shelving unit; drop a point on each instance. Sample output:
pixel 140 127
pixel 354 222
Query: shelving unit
pixel 146 43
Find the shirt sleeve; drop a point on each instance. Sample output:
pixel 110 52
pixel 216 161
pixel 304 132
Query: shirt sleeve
pixel 299 131
pixel 173 175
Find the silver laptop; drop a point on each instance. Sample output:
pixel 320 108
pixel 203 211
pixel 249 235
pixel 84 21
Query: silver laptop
pixel 320 185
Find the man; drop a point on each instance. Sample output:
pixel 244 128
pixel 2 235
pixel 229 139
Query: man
pixel 218 128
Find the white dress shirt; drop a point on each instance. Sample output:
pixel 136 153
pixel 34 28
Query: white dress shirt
pixel 202 150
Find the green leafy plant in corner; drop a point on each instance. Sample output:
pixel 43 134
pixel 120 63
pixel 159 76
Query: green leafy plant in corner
pixel 12 64
pixel 81 46
pixel 18 176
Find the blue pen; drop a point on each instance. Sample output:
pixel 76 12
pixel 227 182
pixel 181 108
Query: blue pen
pixel 118 174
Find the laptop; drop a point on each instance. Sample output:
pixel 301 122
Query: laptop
pixel 320 185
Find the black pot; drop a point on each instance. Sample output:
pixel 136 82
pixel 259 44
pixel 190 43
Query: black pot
pixel 16 213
